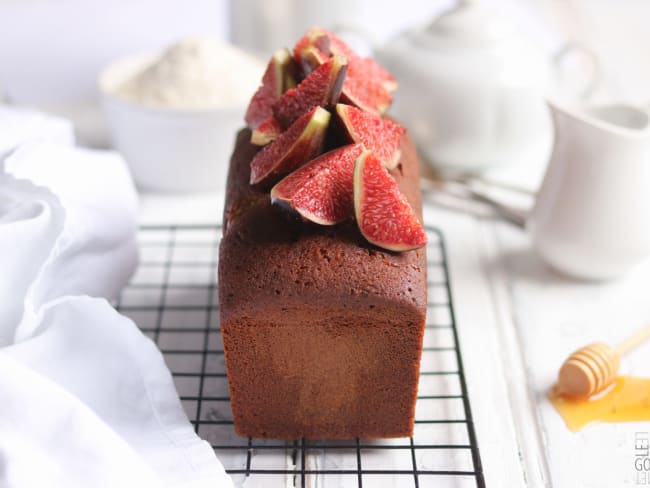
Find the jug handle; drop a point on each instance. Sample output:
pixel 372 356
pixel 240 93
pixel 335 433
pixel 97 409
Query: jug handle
pixel 595 75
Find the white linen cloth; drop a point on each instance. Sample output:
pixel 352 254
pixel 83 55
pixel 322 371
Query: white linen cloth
pixel 85 398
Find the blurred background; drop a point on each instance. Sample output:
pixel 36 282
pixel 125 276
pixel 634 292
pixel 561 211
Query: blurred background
pixel 51 51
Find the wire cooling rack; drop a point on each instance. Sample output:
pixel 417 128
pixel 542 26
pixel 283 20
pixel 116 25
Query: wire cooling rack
pixel 173 299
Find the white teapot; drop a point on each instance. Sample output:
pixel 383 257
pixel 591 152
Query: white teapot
pixel 472 90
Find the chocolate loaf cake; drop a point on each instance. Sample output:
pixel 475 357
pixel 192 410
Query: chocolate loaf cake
pixel 322 331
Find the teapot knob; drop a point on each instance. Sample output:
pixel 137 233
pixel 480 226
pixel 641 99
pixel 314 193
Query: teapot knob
pixel 470 21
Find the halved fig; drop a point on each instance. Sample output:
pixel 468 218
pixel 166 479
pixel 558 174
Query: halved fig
pixel 384 215
pixel 278 77
pixel 321 190
pixel 381 136
pixel 294 147
pixel 267 131
pixel 321 88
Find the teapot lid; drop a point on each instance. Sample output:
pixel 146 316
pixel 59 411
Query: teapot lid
pixel 469 22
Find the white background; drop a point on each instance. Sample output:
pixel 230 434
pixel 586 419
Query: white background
pixel 51 51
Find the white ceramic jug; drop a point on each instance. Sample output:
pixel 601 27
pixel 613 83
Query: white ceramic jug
pixel 591 218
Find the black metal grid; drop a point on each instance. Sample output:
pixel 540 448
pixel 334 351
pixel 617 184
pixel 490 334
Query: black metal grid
pixel 173 299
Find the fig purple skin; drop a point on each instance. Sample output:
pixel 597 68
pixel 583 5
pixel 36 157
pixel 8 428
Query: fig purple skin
pixel 321 88
pixel 329 44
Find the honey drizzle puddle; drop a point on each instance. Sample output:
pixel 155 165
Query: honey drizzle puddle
pixel 627 401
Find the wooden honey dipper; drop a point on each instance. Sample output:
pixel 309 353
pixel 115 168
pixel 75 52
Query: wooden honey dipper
pixel 594 367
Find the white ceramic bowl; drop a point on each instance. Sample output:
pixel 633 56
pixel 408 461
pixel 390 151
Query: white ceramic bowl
pixel 173 150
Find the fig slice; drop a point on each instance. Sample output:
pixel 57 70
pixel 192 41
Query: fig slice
pixel 361 90
pixel 384 215
pixel 321 88
pixel 315 37
pixel 294 147
pixel 376 72
pixel 277 78
pixel 359 87
pixel 321 190
pixel 381 136
pixel 267 131
pixel 330 44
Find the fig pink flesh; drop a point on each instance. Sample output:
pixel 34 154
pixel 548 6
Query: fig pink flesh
pixel 321 88
pixel 294 147
pixel 321 190
pixel 373 70
pixel 266 132
pixel 329 44
pixel 273 85
pixel 381 136
pixel 360 87
pixel 384 215
pixel 259 108
pixel 377 73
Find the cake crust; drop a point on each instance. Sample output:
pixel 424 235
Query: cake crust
pixel 322 331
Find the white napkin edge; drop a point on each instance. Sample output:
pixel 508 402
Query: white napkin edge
pixel 130 462
pixel 152 369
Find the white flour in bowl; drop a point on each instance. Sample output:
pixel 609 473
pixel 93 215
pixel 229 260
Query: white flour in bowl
pixel 196 73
